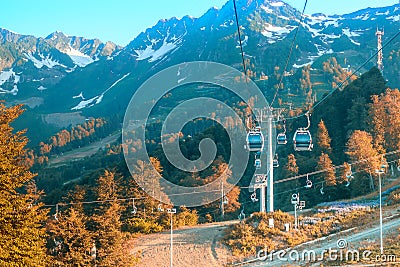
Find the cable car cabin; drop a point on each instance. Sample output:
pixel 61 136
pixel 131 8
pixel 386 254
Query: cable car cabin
pixel 275 163
pixel 281 139
pixel 257 160
pixel 255 140
pixel 257 164
pixel 302 140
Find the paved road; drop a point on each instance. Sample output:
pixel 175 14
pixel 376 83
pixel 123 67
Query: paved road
pixel 352 238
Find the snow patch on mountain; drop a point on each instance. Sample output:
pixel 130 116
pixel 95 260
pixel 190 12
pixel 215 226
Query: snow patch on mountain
pixel 43 61
pixel 275 33
pixel 86 103
pixel 350 34
pixel 332 21
pixel 79 58
pixel 116 82
pixel 6 76
pixel 394 18
pixel 79 96
pixel 277 4
pixel 97 99
pixel 71 69
pixel 13 91
pixel 365 17
pixel 156 54
pixel 113 56
pixel 244 42
pixel 267 9
pixel 283 17
pixel 302 65
pixel 382 13
pixel 316 19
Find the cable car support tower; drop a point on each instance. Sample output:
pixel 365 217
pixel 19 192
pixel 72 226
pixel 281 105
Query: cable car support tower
pixel 379 34
pixel 264 177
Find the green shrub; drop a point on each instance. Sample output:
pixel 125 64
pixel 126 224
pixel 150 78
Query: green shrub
pixel 139 225
pixel 185 217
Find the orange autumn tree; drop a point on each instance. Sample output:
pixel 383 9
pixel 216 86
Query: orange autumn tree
pixel 22 235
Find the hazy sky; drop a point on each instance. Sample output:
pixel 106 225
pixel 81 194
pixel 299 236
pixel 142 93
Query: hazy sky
pixel 120 21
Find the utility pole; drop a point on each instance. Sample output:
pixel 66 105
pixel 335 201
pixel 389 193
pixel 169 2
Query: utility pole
pixel 297 204
pixel 379 172
pixel 262 198
pixel 171 212
pixel 380 211
pixel 222 199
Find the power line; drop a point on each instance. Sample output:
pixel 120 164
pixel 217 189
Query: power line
pixel 123 199
pixel 93 202
pixel 201 192
pixel 322 182
pixel 276 182
pixel 334 168
pixel 290 53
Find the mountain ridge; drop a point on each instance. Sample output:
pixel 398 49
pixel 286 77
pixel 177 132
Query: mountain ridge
pixel 57 68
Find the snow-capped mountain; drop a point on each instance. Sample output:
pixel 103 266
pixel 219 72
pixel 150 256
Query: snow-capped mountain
pixel 162 39
pixel 41 63
pixel 66 74
pixel 46 51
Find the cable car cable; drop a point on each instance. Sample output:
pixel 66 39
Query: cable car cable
pixel 347 77
pixel 358 69
pixel 334 168
pixel 240 38
pixel 290 53
pixel 315 183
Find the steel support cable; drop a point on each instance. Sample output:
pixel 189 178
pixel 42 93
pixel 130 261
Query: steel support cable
pixel 290 53
pixel 334 168
pixel 321 182
pixel 240 38
pixel 347 77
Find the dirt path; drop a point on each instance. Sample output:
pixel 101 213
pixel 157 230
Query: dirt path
pixel 199 246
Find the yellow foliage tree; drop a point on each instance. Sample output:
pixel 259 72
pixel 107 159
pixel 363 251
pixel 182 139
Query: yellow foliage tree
pixel 22 235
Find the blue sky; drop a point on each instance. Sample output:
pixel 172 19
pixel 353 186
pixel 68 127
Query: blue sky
pixel 120 21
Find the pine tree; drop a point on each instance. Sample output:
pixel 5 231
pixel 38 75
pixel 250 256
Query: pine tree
pixel 324 141
pixel 22 235
pixel 385 122
pixel 345 173
pixel 360 149
pixel 325 163
pixel 291 167
pixel 111 242
pixel 147 176
pixel 70 239
pixel 378 122
pixel 233 200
